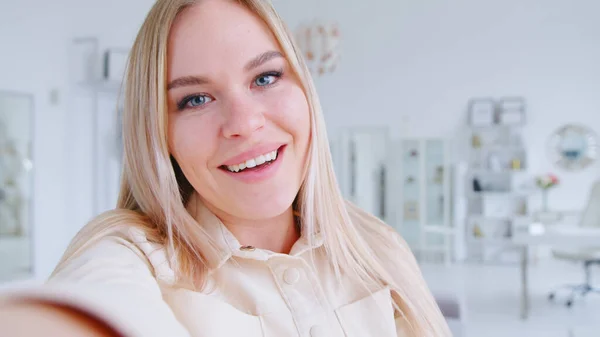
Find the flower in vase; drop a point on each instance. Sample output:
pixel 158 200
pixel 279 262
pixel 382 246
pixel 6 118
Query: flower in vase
pixel 547 181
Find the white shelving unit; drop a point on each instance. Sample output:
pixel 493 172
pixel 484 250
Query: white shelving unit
pixel 496 192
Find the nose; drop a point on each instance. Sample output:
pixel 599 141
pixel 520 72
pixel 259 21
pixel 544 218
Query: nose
pixel 244 116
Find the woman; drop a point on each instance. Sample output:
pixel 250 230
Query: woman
pixel 229 221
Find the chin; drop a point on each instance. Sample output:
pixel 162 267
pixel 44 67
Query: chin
pixel 265 208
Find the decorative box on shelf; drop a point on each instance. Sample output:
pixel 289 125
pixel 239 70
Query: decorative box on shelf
pixel 511 111
pixel 481 112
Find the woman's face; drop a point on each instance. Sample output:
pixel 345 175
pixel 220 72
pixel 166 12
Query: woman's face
pixel 239 121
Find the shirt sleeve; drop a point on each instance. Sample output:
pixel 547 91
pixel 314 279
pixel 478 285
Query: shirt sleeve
pixel 112 281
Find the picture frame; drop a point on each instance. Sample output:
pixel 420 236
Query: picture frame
pixel 481 112
pixel 511 111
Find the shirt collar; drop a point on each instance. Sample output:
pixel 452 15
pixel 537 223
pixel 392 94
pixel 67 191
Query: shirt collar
pixel 225 244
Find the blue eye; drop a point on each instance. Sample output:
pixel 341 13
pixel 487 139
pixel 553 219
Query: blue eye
pixel 198 101
pixel 267 79
pixel 194 101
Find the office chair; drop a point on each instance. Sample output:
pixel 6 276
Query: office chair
pixel 589 256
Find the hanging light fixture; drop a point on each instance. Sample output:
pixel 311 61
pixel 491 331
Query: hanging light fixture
pixel 319 43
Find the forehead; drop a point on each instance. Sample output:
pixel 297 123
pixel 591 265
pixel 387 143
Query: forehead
pixel 216 34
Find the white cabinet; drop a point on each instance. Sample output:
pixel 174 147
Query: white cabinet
pixel 420 193
pixel 407 183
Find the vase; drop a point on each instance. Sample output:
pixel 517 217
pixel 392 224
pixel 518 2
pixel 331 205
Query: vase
pixel 544 200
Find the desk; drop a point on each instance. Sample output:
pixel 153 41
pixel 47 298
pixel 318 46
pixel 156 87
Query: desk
pixel 555 237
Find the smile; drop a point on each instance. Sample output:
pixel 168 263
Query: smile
pixel 261 160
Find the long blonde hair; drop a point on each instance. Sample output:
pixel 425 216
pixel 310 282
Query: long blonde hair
pixel 154 191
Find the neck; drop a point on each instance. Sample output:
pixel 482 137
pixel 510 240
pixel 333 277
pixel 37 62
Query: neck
pixel 277 234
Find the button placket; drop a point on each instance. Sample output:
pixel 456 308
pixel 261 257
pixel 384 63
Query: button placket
pixel 291 276
pixel 298 290
pixel 318 331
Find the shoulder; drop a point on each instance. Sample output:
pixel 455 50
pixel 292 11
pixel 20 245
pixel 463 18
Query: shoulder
pixel 99 247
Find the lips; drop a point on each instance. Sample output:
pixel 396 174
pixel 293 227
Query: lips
pixel 255 158
pixel 257 162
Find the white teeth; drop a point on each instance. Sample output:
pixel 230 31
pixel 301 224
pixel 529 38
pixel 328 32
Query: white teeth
pixel 264 158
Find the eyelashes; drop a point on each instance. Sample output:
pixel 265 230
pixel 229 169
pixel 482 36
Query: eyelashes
pixel 199 100
pixel 193 101
pixel 275 75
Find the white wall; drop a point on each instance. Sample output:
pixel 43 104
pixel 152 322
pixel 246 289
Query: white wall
pixel 33 61
pixel 413 64
pixel 409 64
pixel 35 38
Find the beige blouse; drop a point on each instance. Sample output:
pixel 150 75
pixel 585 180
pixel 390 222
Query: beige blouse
pixel 125 280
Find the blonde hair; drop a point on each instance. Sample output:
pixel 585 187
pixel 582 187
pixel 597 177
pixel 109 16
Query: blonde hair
pixel 154 192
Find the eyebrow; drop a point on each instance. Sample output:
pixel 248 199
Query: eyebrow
pixel 262 59
pixel 199 80
pixel 186 81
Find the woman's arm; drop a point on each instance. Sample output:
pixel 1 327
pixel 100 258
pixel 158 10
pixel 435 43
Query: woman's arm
pixel 110 285
pixel 25 319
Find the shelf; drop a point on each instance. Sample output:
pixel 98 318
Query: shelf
pixel 519 219
pixel 508 217
pixel 507 148
pixel 498 208
pixel 493 172
pixel 492 218
pixel 433 229
pixel 495 127
pixel 491 241
pixel 479 195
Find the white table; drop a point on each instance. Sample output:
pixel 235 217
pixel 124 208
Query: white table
pixel 555 237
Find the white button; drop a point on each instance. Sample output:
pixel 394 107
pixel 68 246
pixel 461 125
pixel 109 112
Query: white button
pixel 291 276
pixel 318 331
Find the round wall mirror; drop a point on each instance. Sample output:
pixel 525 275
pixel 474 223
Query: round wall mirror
pixel 573 147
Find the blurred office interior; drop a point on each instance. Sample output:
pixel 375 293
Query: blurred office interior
pixel 471 127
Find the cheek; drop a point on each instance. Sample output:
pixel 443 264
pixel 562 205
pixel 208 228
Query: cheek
pixel 292 113
pixel 191 141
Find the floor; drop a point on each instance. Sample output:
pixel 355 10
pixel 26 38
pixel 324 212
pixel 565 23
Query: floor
pixel 491 295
